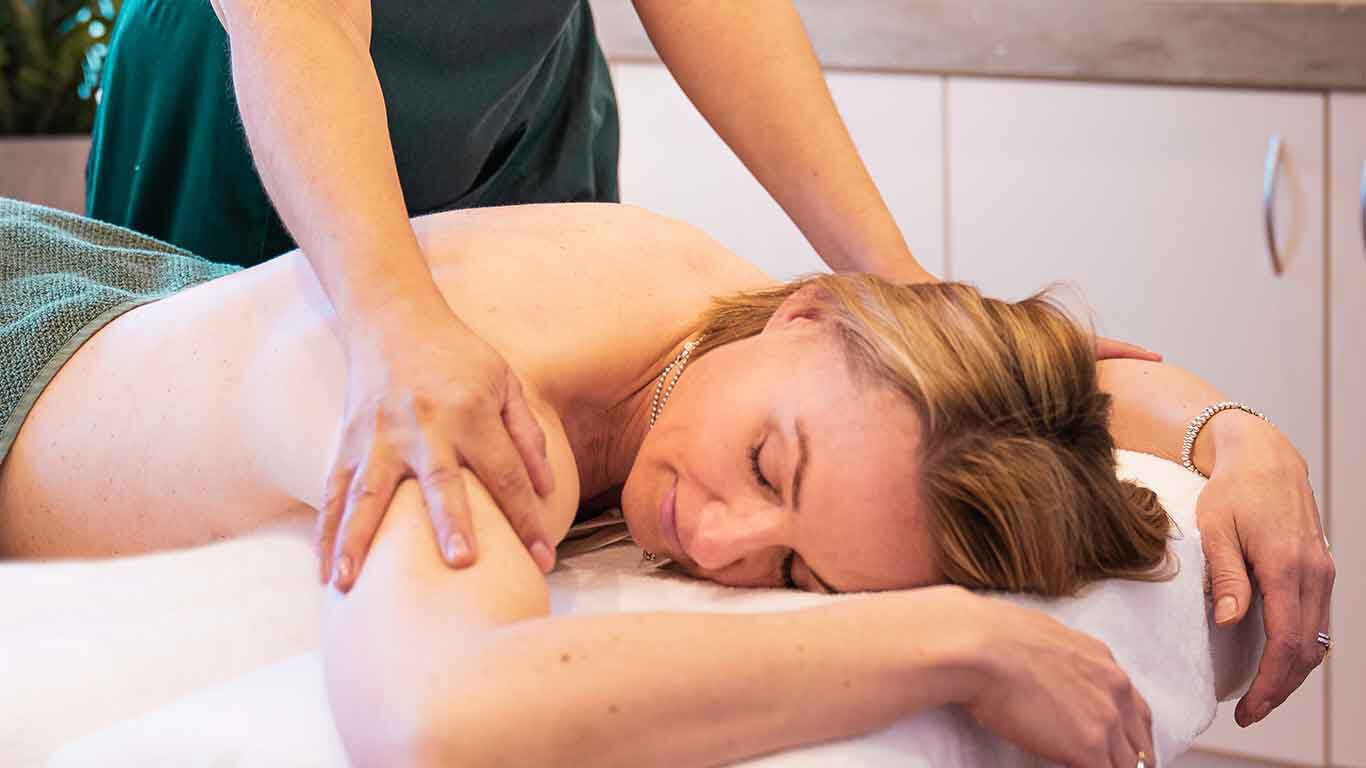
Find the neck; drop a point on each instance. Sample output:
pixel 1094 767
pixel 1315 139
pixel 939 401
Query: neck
pixel 607 441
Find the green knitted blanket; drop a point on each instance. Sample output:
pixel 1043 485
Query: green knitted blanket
pixel 62 278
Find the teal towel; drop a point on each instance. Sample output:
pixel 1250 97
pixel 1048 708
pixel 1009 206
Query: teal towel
pixel 62 278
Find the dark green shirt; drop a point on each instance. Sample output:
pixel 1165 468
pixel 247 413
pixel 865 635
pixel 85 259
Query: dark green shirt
pixel 489 102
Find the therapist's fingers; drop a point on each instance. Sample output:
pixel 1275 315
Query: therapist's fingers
pixel 499 466
pixel 367 499
pixel 441 479
pixel 527 436
pixel 1108 349
pixel 1277 673
pixel 329 517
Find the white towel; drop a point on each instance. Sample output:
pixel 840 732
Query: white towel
pixel 209 657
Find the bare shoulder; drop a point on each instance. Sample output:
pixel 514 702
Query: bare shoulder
pixel 405 554
pixel 618 248
pixel 405 579
pixel 579 298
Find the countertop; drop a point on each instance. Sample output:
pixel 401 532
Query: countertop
pixel 1296 44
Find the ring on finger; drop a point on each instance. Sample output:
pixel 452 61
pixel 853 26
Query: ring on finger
pixel 1326 641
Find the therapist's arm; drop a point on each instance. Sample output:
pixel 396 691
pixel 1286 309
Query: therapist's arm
pixel 425 395
pixel 1257 512
pixel 750 70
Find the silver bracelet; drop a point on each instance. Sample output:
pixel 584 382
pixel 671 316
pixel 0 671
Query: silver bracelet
pixel 1198 423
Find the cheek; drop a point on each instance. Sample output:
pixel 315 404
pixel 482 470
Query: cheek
pixel 645 474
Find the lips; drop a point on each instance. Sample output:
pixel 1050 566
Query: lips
pixel 668 519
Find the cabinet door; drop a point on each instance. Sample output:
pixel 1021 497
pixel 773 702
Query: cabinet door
pixel 1347 426
pixel 1149 201
pixel 673 163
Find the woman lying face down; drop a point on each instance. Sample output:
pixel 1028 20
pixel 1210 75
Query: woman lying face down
pixel 836 434
pixel 842 434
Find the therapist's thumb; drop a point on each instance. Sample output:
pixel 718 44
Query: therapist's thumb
pixel 1228 581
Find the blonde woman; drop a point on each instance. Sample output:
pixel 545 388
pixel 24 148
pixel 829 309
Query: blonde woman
pixel 836 434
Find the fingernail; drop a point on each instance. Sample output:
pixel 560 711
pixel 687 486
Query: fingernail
pixel 543 556
pixel 342 572
pixel 1225 609
pixel 455 547
pixel 1262 711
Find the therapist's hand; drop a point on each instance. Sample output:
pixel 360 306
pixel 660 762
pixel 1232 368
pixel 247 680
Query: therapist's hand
pixel 1257 513
pixel 1110 349
pixel 425 397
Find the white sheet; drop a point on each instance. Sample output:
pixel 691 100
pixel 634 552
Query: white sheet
pixel 207 657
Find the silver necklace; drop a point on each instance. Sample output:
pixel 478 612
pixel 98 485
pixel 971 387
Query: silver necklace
pixel 657 403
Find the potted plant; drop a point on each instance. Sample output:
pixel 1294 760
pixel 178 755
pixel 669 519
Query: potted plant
pixel 50 57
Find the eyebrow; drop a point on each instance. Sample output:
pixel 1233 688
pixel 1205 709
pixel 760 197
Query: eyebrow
pixel 798 473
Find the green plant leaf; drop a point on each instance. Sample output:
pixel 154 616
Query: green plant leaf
pixel 47 63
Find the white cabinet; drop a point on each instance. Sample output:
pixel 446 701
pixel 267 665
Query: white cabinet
pixel 673 163
pixel 1347 428
pixel 1149 200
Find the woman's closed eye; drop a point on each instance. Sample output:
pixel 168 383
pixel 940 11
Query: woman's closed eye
pixel 760 478
pixel 758 471
pixel 788 561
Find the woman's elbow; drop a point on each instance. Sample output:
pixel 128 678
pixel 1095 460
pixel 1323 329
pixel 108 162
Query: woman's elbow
pixel 398 701
pixel 426 736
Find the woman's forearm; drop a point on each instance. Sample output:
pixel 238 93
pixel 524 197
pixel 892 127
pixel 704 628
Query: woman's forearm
pixel 750 70
pixel 431 666
pixel 321 146
pixel 687 689
pixel 1153 403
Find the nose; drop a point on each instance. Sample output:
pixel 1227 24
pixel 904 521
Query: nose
pixel 727 533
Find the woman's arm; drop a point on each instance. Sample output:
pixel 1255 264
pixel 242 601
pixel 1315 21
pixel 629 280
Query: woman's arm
pixel 428 666
pixel 1256 512
pixel 431 666
pixel 1153 404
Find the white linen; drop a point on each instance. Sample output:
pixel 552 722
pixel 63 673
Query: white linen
pixel 208 657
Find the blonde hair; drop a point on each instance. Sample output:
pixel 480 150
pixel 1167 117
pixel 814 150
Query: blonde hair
pixel 1017 469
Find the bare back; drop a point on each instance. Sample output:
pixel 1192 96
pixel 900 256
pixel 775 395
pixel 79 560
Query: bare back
pixel 215 411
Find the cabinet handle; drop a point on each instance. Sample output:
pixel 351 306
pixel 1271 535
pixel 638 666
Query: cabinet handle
pixel 1363 206
pixel 1269 175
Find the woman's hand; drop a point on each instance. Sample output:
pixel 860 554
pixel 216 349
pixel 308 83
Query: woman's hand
pixel 1052 690
pixel 1257 512
pixel 424 397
